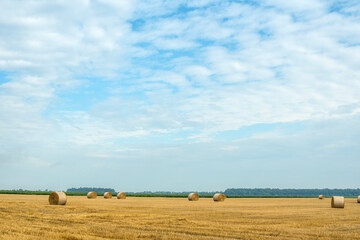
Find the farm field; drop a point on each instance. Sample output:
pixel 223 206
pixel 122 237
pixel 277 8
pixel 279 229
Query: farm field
pixel 31 217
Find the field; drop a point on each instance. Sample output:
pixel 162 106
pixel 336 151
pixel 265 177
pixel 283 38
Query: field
pixel 31 217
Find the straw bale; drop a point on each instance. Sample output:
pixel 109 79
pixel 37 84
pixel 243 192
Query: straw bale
pixel 108 195
pixel 121 195
pixel 92 195
pixel 193 197
pixel 337 202
pixel 57 198
pixel 219 197
pixel 321 197
pixel 358 199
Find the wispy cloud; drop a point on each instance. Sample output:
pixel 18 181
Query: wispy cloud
pixel 110 73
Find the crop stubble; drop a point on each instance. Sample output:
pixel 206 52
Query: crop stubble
pixel 31 217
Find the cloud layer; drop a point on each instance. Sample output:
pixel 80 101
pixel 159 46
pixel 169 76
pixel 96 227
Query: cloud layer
pixel 100 85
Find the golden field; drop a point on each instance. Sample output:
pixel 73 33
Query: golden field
pixel 31 217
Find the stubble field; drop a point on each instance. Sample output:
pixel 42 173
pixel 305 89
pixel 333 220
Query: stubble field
pixel 31 217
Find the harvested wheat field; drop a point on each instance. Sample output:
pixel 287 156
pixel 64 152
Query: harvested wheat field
pixel 31 217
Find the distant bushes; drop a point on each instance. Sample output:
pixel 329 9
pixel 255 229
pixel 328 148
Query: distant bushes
pixel 24 192
pixel 230 193
pixel 291 192
pixel 90 189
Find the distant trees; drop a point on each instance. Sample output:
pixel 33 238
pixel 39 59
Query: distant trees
pixel 291 192
pixel 174 193
pixel 90 189
pixel 241 192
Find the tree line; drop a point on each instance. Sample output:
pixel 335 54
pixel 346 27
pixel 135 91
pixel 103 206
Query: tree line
pixel 291 192
pixel 240 192
pixel 90 189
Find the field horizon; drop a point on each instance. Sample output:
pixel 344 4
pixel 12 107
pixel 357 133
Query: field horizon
pixel 347 193
pixel 149 195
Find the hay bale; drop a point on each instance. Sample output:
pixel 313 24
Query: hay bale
pixel 337 202
pixel 321 197
pixel 91 195
pixel 57 198
pixel 358 200
pixel 108 195
pixel 219 197
pixel 121 195
pixel 193 197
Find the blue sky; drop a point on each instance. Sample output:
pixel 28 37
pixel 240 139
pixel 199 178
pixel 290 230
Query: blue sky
pixel 179 95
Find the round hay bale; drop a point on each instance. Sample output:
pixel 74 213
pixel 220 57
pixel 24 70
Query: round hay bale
pixel 193 197
pixel 108 195
pixel 91 195
pixel 337 202
pixel 321 197
pixel 358 200
pixel 121 195
pixel 219 197
pixel 57 198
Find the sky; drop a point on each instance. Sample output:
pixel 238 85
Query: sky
pixel 179 95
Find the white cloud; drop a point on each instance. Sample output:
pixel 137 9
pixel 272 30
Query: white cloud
pixel 185 69
pixel 298 5
pixel 198 3
pixel 300 63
